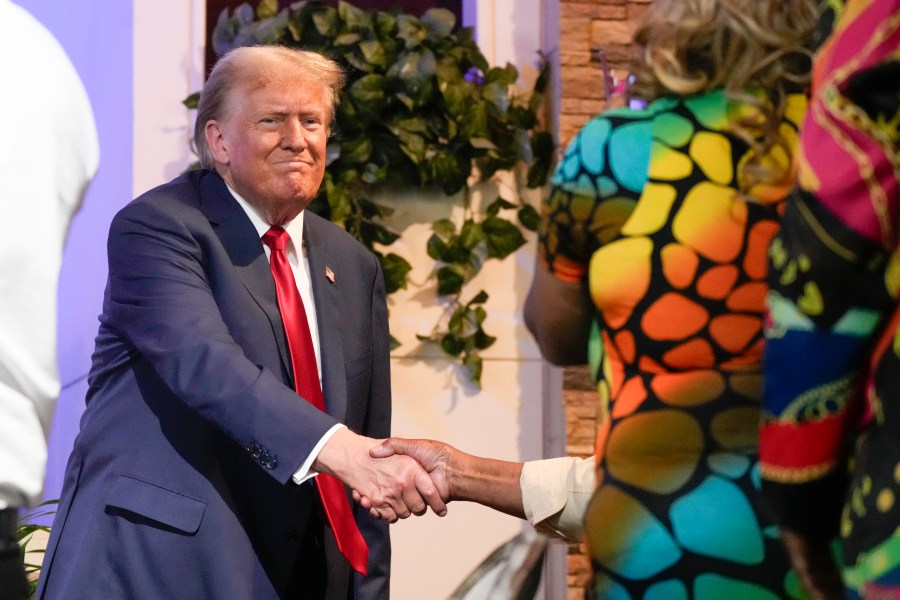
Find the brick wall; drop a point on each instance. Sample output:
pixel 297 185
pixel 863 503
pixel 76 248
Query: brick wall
pixel 580 398
pixel 588 29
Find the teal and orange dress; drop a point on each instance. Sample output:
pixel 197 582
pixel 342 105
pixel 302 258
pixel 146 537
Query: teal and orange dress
pixel 645 208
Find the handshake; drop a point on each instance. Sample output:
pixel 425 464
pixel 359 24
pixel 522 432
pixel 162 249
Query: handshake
pixel 402 477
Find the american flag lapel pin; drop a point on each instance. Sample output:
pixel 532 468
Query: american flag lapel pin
pixel 329 274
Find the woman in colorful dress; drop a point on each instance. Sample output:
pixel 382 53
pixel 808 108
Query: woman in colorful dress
pixel 654 240
pixel 652 269
pixel 833 351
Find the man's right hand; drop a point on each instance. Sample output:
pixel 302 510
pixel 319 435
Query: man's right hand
pixel 435 457
pixel 395 487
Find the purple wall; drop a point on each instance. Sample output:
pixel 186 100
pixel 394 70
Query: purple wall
pixel 98 36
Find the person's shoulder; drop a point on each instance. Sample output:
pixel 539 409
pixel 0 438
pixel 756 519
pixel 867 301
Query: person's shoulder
pixel 183 188
pixel 182 193
pixel 605 124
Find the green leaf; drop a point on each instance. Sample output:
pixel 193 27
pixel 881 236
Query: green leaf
pixel 456 254
pixel 542 149
pixel 375 233
pixel 463 323
pixel 395 269
pixel 529 218
pixel 495 206
pixel 475 123
pixel 266 9
pixel 413 145
pixel 448 72
pixel 460 95
pixel 498 95
pixel 347 39
pixel 368 92
pixel 482 143
pixel 503 238
pixel 478 255
pixel 356 150
pixel 384 25
pixel 436 246
pixel 192 101
pixel 407 101
pixel 450 280
pixel 410 30
pixel 294 30
pixel 414 66
pixel 354 18
pixel 449 171
pixel 472 234
pixel 505 76
pixel 480 298
pixel 483 340
pixel 339 201
pixel 439 21
pixel 374 52
pixel 373 209
pixel 416 124
pixel 325 21
pixel 473 365
pixel 395 343
pixel 444 228
pixel 452 345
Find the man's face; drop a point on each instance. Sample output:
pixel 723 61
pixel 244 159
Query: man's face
pixel 270 145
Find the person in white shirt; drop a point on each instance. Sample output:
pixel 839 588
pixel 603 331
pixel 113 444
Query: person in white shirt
pixel 49 152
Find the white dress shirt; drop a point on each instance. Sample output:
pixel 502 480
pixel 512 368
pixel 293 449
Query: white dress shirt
pixel 556 493
pixel 300 268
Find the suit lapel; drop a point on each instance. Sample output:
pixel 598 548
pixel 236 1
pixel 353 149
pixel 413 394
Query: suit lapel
pixel 241 241
pixel 325 291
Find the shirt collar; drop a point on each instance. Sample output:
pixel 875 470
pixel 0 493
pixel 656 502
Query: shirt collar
pixel 294 227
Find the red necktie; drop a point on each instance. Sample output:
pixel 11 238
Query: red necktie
pixel 306 377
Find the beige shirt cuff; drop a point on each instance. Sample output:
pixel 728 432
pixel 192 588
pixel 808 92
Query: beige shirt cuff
pixel 555 494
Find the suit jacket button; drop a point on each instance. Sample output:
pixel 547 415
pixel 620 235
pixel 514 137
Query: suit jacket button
pixel 292 535
pixel 271 463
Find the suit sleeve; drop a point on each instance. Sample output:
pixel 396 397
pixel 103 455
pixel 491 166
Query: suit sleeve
pixel 160 300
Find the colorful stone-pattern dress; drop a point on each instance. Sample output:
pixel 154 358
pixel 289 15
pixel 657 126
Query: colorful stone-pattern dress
pixel 833 353
pixel 644 205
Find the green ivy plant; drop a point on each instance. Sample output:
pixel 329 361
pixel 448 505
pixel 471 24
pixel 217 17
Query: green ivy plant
pixel 24 534
pixel 421 108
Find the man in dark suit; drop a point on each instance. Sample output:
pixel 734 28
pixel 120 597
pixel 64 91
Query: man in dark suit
pixel 196 469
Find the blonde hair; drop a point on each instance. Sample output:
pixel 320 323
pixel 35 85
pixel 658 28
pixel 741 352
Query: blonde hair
pixel 754 50
pixel 249 64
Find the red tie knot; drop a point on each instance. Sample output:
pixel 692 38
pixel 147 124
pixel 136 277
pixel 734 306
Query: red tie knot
pixel 276 238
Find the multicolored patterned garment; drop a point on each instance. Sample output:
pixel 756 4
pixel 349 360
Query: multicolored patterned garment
pixel 833 355
pixel 645 207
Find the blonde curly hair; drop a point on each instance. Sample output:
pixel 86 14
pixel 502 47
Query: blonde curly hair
pixel 755 50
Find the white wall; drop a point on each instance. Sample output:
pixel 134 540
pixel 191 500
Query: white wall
pixel 168 66
pixel 518 413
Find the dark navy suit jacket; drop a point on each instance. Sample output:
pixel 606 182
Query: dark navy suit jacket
pixel 179 483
